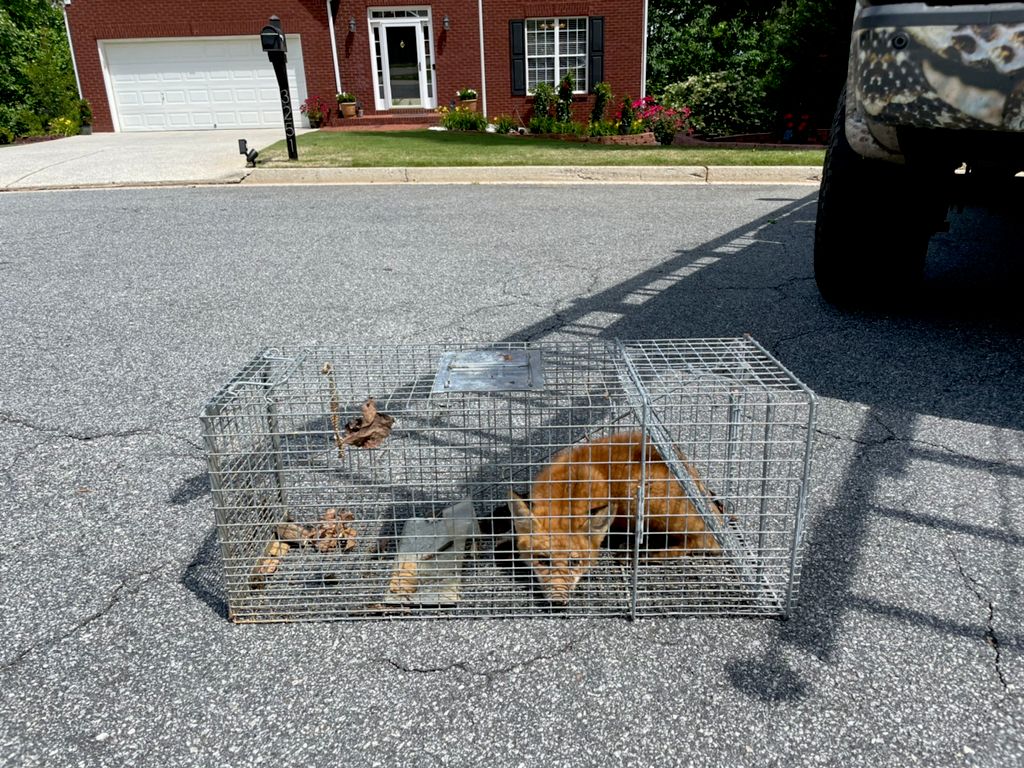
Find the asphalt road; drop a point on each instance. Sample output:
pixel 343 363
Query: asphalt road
pixel 122 311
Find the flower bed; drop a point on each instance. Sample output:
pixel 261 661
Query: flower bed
pixel 634 139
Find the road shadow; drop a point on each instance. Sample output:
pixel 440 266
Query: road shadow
pixel 203 578
pixel 955 350
pixel 191 488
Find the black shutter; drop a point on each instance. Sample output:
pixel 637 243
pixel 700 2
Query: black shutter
pixel 596 40
pixel 517 46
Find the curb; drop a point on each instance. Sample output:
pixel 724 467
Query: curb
pixel 523 174
pixel 679 174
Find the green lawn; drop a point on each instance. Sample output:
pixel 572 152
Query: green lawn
pixel 332 149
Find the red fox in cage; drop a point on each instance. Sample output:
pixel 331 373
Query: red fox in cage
pixel 590 489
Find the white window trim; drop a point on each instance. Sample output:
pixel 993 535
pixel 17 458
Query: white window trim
pixel 581 87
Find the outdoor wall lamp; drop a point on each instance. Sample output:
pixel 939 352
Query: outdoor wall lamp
pixel 446 24
pixel 352 25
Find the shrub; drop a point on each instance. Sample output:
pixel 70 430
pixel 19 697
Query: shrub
pixel 603 128
pixel 541 124
pixel 504 124
pixel 49 78
pixel 570 128
pixel 663 122
pixel 722 103
pixel 602 95
pixel 462 119
pixel 63 126
pixel 27 123
pixel 543 98
pixel 7 121
pixel 315 108
pixel 563 109
pixel 626 117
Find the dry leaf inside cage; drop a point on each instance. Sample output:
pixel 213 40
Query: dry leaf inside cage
pixel 371 429
pixel 332 531
pixel 405 578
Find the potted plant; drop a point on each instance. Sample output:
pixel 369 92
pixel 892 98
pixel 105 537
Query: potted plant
pixel 314 108
pixel 347 104
pixel 467 99
pixel 85 117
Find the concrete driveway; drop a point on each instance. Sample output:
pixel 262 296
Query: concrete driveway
pixel 102 159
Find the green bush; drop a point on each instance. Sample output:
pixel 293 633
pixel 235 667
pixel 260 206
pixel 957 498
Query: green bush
pixel 37 83
pixel 7 120
pixel 563 109
pixel 50 79
pixel 543 99
pixel 27 123
pixel 541 124
pixel 721 103
pixel 571 128
pixel 603 128
pixel 602 95
pixel 461 119
pixel 63 126
pixel 504 124
pixel 626 117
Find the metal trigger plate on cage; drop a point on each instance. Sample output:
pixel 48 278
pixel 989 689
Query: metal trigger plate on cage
pixel 489 370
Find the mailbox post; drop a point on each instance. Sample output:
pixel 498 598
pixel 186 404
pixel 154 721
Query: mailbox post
pixel 273 42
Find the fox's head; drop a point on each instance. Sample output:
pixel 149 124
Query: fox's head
pixel 560 545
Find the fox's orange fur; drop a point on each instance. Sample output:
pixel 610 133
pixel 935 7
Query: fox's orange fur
pixel 591 488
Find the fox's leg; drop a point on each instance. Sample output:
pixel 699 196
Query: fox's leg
pixel 685 533
pixel 691 543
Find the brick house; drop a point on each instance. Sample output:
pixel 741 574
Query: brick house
pixel 198 65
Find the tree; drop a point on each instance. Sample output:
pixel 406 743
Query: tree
pixel 752 59
pixel 37 83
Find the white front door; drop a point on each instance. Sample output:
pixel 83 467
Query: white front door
pixel 403 59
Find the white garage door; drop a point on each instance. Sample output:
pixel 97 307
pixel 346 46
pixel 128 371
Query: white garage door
pixel 198 83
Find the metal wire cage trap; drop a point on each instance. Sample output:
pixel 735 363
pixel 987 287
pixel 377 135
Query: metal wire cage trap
pixel 586 478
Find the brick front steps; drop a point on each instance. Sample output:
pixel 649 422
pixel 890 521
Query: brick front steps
pixel 392 121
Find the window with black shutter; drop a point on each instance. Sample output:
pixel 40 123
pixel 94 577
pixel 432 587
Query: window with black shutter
pixel 596 58
pixel 517 45
pixel 544 50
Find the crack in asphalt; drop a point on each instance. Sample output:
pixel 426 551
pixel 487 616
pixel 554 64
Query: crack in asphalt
pixel 774 348
pixel 125 588
pixel 779 288
pixel 8 417
pixel 990 633
pixel 993 465
pixel 468 666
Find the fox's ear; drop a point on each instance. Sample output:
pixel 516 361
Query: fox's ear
pixel 600 521
pixel 522 517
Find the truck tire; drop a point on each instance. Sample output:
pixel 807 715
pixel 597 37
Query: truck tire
pixel 873 226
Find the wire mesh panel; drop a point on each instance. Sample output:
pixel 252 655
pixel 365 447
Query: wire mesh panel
pixel 601 478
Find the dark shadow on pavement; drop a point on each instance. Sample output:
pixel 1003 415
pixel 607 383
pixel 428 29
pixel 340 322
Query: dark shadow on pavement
pixel 191 488
pixel 203 578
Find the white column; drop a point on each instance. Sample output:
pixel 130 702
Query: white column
pixel 483 72
pixel 334 49
pixel 71 47
pixel 643 58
